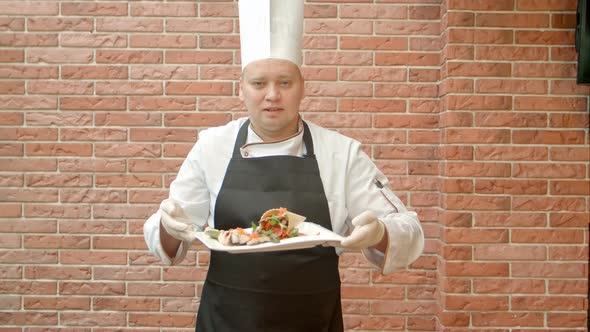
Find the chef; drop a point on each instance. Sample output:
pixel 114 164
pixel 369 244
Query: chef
pixel 271 159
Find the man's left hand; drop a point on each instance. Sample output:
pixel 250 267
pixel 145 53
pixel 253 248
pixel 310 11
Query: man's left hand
pixel 368 231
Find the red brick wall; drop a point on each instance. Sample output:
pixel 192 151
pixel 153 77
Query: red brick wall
pixel 514 168
pixel 469 106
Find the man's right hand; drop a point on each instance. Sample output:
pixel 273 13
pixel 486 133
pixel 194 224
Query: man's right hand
pixel 175 221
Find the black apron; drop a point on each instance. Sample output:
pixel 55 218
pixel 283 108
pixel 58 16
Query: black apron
pixel 291 290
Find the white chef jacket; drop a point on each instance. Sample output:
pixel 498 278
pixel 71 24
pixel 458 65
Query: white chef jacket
pixel 351 183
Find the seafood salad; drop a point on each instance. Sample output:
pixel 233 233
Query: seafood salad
pixel 273 226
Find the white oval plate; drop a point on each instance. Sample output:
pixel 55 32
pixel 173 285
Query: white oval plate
pixel 314 235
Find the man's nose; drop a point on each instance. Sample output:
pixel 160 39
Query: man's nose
pixel 273 93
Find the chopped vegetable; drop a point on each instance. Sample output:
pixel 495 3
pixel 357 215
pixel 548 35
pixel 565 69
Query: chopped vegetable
pixel 212 233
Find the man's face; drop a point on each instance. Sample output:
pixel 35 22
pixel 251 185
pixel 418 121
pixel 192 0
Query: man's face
pixel 272 90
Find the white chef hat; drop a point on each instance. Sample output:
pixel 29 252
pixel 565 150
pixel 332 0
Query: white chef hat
pixel 271 29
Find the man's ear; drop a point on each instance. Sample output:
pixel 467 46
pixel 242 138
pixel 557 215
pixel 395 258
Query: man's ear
pixel 302 88
pixel 240 92
pixel 301 82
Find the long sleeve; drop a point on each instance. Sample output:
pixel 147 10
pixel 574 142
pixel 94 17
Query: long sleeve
pixel 151 233
pixel 189 188
pixel 368 189
pixel 348 176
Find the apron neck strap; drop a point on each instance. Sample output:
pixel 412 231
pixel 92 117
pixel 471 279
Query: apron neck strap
pixel 309 153
pixel 243 135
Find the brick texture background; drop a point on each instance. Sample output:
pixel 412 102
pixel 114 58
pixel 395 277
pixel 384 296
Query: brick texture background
pixel 469 106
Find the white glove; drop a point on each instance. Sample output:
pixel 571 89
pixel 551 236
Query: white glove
pixel 176 222
pixel 368 231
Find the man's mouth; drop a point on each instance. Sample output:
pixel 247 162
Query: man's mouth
pixel 272 109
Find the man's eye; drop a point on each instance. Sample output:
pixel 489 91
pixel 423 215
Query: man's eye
pixel 285 83
pixel 257 84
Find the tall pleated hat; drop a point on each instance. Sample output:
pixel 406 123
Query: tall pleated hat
pixel 271 29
